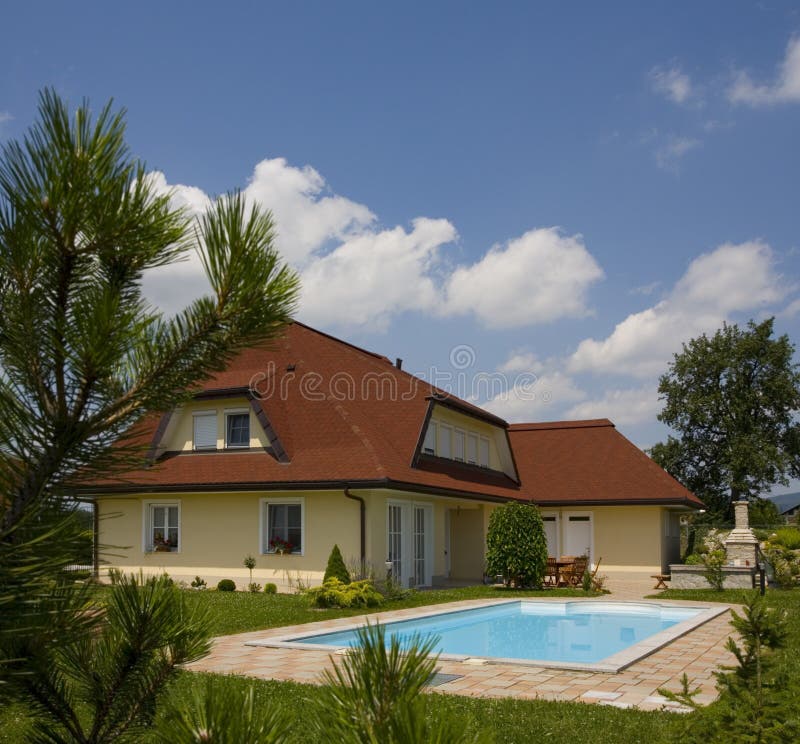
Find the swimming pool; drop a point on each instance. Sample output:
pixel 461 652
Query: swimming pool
pixel 583 634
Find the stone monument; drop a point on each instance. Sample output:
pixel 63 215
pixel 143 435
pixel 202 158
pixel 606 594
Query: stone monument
pixel 741 545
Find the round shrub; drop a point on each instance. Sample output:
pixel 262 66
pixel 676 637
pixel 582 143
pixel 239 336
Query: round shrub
pixel 335 593
pixel 336 568
pixel 270 589
pixel 226 585
pixel 516 546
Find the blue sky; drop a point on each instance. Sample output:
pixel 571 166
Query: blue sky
pixel 569 191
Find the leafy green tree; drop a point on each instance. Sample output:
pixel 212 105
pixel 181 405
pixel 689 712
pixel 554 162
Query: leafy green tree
pixel 336 569
pixel 374 696
pixel 84 359
pixel 102 686
pixel 733 399
pixel 516 546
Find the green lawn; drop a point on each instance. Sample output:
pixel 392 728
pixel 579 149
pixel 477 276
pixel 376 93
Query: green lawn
pixel 511 720
pixel 238 612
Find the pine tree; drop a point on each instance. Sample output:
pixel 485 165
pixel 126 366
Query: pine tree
pixel 336 568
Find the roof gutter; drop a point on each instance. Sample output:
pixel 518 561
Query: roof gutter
pixel 363 522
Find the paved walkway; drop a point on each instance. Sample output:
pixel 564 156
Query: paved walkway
pixel 698 654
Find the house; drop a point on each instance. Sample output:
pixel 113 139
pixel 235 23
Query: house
pixel 312 441
pixel 788 506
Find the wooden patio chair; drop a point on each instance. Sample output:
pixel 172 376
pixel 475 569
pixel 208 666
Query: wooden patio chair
pixel 574 574
pixel 551 572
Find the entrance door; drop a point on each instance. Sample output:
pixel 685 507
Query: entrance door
pixel 410 542
pixel 551 534
pixel 578 533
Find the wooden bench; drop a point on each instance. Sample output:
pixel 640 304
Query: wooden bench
pixel 660 579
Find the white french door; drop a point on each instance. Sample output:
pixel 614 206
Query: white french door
pixel 578 534
pixel 410 542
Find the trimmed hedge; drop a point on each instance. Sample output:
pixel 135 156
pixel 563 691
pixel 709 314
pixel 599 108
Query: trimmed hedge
pixel 226 585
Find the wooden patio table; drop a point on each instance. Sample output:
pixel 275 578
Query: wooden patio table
pixel 559 566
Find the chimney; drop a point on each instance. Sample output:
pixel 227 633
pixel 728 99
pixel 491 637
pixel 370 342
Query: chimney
pixel 398 363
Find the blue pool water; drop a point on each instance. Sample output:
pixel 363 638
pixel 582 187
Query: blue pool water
pixel 583 632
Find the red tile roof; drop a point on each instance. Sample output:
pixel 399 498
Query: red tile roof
pixel 345 415
pixel 586 462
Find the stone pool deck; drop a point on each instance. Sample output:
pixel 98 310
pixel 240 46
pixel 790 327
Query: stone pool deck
pixel 698 654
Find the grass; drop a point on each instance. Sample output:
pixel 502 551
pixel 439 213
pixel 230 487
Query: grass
pixel 239 612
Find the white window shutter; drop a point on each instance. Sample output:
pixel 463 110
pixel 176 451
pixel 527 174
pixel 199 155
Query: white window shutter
pixel 205 431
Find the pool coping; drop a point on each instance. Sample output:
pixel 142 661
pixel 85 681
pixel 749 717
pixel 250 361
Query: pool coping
pixel 610 664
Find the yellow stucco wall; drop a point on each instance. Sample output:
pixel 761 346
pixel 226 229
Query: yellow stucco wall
pixel 467 543
pixel 219 529
pixel 179 435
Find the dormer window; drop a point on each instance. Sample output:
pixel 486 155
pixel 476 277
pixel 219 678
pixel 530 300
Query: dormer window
pixel 205 430
pixel 472 449
pixel 459 444
pixel 445 436
pixel 237 429
pixel 483 452
pixel 429 445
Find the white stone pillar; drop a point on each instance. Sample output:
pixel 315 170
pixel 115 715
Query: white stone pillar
pixel 741 545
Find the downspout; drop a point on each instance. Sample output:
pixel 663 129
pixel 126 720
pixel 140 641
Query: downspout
pixel 95 540
pixel 363 515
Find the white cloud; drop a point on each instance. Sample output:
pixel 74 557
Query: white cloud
pixel 645 289
pixel 672 83
pixel 669 154
pixel 355 273
pixel 308 216
pixel 536 398
pixel 369 278
pixel 784 89
pixel 536 278
pixel 732 278
pixel 521 361
pixel 792 309
pixel 624 407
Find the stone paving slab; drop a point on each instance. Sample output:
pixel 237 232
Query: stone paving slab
pixel 698 654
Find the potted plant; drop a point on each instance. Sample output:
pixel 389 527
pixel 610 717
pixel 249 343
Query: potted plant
pixel 280 546
pixel 161 544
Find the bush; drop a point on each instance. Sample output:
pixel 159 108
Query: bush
pixel 270 589
pixel 694 559
pixel 336 568
pixel 788 537
pixel 516 547
pixel 199 583
pixel 335 593
pixel 253 587
pixel 714 561
pixel 226 585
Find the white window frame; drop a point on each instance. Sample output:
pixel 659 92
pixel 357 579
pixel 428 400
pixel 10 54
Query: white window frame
pixel 481 441
pixel 147 524
pixel 431 430
pixel 238 412
pixel 263 526
pixel 208 412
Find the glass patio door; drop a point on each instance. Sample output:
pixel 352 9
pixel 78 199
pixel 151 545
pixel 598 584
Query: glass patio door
pixel 409 542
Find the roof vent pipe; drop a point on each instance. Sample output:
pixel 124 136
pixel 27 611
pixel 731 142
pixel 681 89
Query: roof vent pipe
pixel 398 363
